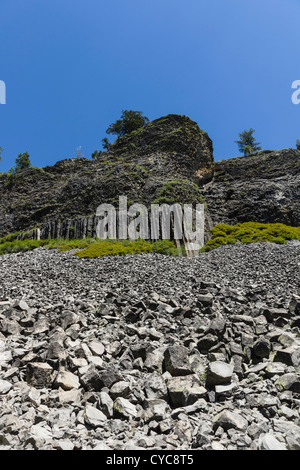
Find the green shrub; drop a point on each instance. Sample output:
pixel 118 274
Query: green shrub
pixel 179 191
pixel 89 247
pixel 125 247
pixel 114 248
pixel 165 247
pixel 20 245
pixel 11 237
pixel 63 244
pixel 251 232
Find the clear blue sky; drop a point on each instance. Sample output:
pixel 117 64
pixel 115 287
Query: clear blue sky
pixel 72 66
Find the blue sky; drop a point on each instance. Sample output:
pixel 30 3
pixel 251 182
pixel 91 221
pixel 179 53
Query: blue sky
pixel 71 67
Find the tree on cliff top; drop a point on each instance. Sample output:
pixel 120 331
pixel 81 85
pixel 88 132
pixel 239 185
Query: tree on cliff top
pixel 129 121
pixel 247 143
pixel 22 161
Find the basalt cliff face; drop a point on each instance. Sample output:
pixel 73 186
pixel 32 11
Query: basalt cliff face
pixel 263 188
pixel 169 160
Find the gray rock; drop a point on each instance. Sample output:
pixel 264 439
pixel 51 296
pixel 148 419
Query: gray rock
pixel 219 373
pixel 10 327
pixel 207 342
pixel 93 416
pixel 91 379
pixel 97 348
pixel 63 444
pixel 262 347
pixel 289 381
pixel 275 368
pixel 5 358
pixel 155 386
pixel 41 326
pixel 21 305
pixel 67 381
pixel 185 390
pixel 124 408
pixel 110 376
pixel 39 374
pixel 176 360
pixel 287 428
pixel 217 326
pixel 155 409
pixel 154 361
pixel 5 386
pixel 71 397
pixel 34 396
pixel 120 389
pixel 272 314
pixel 38 435
pixel 4 441
pixel 269 442
pixel 101 446
pixel 106 404
pixel 285 355
pixel 230 420
pixel 56 351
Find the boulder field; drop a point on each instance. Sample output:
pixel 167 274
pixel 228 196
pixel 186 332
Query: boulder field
pixel 151 352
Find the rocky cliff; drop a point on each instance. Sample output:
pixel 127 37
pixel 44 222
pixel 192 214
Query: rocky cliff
pixel 169 157
pixel 169 160
pixel 264 187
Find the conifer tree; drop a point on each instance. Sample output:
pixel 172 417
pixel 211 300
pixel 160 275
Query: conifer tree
pixel 22 162
pixel 247 143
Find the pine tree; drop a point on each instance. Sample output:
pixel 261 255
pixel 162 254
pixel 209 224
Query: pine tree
pixel 129 121
pixel 247 143
pixel 22 162
pixel 106 144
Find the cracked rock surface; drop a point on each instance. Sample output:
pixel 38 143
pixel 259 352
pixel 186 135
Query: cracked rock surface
pixel 151 352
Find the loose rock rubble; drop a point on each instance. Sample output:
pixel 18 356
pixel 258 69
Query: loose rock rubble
pixel 151 352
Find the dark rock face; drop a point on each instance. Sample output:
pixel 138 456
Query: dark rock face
pixel 138 166
pixel 261 188
pixel 169 160
pixel 177 135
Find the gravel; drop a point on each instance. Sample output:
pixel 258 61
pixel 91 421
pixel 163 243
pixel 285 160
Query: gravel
pixel 151 352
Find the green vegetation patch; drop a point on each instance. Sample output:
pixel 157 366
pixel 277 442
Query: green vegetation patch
pixel 17 246
pixel 62 244
pixel 17 236
pixel 181 192
pixel 92 247
pixel 251 232
pixel 126 247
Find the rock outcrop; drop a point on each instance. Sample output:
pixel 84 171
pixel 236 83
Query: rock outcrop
pixel 169 160
pixel 264 187
pixel 168 151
